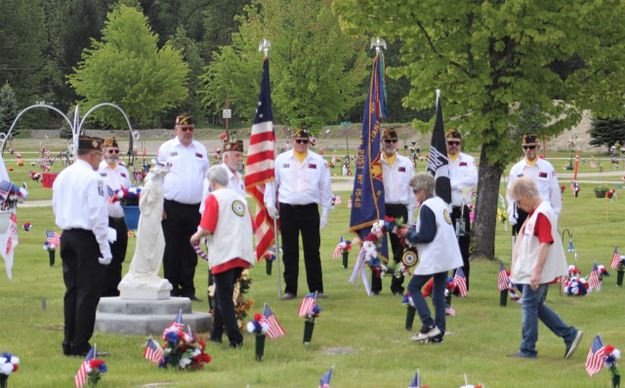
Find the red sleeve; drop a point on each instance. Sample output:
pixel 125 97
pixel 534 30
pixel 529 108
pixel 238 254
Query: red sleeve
pixel 542 230
pixel 211 212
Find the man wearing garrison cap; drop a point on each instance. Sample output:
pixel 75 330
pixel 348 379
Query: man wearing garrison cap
pixel 302 183
pixel 463 180
pixel 541 172
pixel 115 178
pixel 187 160
pixel 78 203
pixel 399 200
pixel 232 157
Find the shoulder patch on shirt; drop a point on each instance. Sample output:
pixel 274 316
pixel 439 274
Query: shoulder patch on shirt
pixel 446 216
pixel 173 153
pixel 199 155
pixel 286 165
pixel 519 175
pixel 101 188
pixel 103 174
pixel 123 174
pixel 312 165
pixel 238 208
pixel 463 164
pixel 401 169
pixel 542 175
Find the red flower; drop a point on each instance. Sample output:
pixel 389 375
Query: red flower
pixel 371 237
pixel 202 343
pixel 258 317
pixel 202 358
pixel 95 363
pixel 609 349
pixel 15 367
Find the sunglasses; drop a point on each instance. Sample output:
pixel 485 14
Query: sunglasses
pixel 113 151
pixel 453 142
pixel 186 129
pixel 301 141
pixel 529 147
pixel 390 141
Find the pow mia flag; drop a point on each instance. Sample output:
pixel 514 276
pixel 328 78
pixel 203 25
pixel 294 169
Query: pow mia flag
pixel 438 164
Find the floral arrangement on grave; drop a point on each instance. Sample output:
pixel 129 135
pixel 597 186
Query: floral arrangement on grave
pixel 342 249
pixel 620 271
pixel 576 286
pixel 611 357
pixel 95 369
pixel 259 328
pixel 9 363
pixel 10 195
pixel 309 310
pixel 269 257
pixel 182 349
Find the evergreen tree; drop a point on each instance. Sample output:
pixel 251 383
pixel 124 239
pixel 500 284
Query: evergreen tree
pixel 8 108
pixel 607 132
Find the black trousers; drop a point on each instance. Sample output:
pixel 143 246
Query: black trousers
pixel 464 242
pixel 293 220
pixel 113 271
pixel 399 212
pixel 82 274
pixel 223 314
pixel 180 259
pixel 521 217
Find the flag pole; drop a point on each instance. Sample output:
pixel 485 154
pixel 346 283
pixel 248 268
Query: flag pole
pixel 264 48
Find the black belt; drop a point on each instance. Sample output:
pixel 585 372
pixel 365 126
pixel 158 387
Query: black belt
pixel 114 220
pixel 286 205
pixel 181 204
pixel 77 230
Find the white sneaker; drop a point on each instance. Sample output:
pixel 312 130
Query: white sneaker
pixel 433 332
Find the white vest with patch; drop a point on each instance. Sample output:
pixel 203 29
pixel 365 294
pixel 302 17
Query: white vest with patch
pixel 555 263
pixel 441 254
pixel 233 233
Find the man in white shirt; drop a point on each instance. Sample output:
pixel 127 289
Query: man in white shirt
pixel 463 179
pixel 115 177
pixel 541 172
pixel 187 160
pixel 399 201
pixel 232 158
pixel 79 208
pixel 302 182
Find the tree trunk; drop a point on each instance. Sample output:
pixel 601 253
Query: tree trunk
pixel 485 222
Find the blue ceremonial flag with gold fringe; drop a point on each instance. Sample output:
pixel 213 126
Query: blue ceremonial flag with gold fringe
pixel 368 193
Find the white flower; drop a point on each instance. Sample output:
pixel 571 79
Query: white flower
pixel 250 327
pixel 264 327
pixel 184 362
pixel 616 353
pixel 6 368
pixel 15 360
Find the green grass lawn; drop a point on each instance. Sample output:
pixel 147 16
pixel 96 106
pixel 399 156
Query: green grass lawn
pixel 363 337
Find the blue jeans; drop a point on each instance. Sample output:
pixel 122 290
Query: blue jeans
pixel 534 308
pixel 438 298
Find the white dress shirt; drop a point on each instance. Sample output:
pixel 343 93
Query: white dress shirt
pixel 396 177
pixel 187 166
pixel 78 202
pixel 300 183
pixel 115 178
pixel 235 183
pixel 543 173
pixel 463 179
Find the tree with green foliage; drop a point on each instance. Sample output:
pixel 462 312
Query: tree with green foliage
pixel 316 70
pixel 8 108
pixel 127 68
pixel 504 67
pixel 607 132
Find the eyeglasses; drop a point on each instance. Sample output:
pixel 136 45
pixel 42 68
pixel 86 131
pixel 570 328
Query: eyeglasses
pixel 186 129
pixel 415 191
pixel 390 140
pixel 453 142
pixel 301 141
pixel 529 147
pixel 112 151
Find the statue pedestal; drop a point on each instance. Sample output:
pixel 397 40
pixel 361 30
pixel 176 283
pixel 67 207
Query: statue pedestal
pixel 146 316
pixel 147 288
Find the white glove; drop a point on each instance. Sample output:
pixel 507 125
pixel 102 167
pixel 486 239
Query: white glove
pixel 273 212
pixel 105 260
pixel 512 216
pixel 410 216
pixel 324 218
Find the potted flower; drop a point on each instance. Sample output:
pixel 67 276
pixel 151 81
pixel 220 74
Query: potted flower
pixel 8 365
pixel 259 327
pixel 601 191
pixel 620 271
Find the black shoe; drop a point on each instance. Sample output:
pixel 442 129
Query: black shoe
pixel 287 296
pixel 194 298
pixel 236 345
pixel 570 348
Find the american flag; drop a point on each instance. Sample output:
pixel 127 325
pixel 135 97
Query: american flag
pixel 325 379
pixel 275 329
pixel 178 322
pixel 416 381
pixel 152 352
pixel 259 168
pixel 503 280
pixel 307 304
pixel 81 375
pixel 460 282
pixel 593 280
pixel 53 238
pixel 339 249
pixel 616 257
pixel 594 360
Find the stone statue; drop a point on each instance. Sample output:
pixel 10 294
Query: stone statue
pixel 143 280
